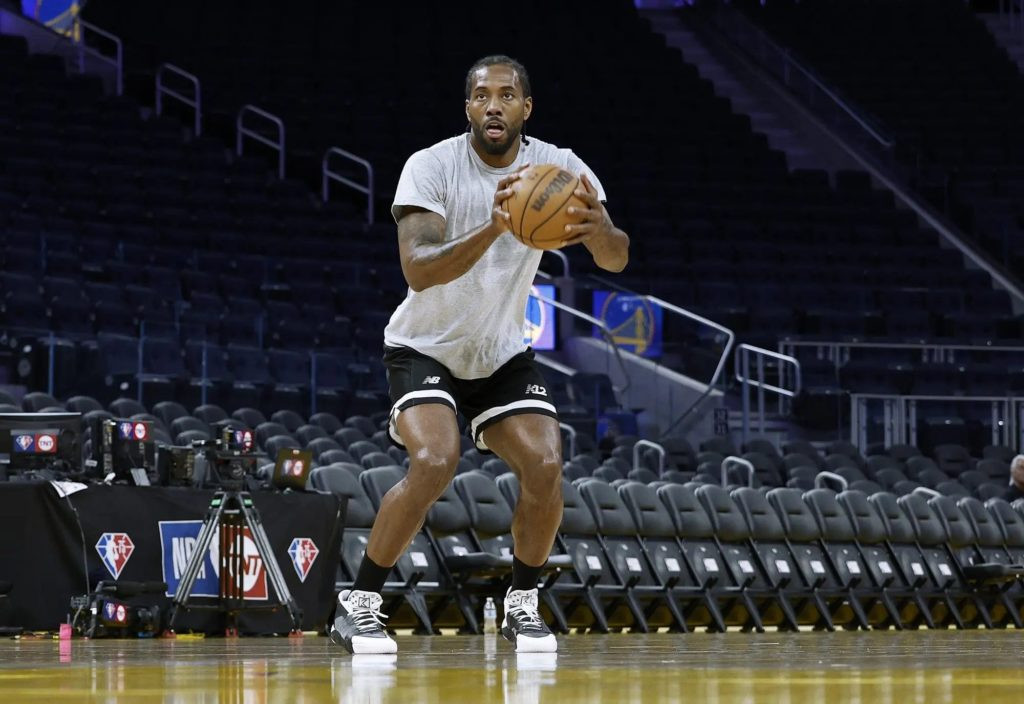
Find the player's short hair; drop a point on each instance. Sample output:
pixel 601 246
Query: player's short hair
pixel 499 60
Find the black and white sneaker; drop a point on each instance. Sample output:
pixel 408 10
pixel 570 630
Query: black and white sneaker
pixel 523 625
pixel 358 626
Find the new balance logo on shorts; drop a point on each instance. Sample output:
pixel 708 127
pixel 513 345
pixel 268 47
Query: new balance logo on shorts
pixel 431 380
pixel 536 389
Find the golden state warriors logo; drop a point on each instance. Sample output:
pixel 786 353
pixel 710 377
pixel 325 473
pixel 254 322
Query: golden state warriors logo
pixel 59 15
pixel 635 323
pixel 535 318
pixel 539 322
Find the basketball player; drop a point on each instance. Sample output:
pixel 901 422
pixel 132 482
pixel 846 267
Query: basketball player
pixel 456 344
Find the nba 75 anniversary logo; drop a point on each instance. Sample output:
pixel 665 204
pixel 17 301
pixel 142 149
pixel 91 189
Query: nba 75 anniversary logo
pixel 303 552
pixel 114 550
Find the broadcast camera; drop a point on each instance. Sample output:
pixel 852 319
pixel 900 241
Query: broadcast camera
pixel 105 613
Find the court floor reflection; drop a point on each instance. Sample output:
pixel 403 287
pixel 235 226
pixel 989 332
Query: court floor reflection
pixel 854 668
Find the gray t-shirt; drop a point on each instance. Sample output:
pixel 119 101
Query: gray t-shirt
pixel 473 324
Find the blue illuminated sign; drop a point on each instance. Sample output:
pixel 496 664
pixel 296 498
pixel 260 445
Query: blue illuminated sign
pixel 634 321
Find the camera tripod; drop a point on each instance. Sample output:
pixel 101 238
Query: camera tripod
pixel 230 512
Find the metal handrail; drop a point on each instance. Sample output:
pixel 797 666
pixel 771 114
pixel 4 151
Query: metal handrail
pixel 730 340
pixel 241 130
pixel 900 416
pixel 741 360
pixel 733 460
pixel 606 333
pixel 571 432
pixel 327 176
pixel 938 346
pixel 790 62
pixel 704 321
pixel 195 102
pixel 820 483
pixel 117 62
pixel 672 308
pixel 741 352
pixel 654 446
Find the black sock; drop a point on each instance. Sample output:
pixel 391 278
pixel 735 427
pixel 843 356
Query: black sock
pixel 524 577
pixel 371 576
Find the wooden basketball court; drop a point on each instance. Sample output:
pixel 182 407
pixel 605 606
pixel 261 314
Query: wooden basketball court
pixel 925 666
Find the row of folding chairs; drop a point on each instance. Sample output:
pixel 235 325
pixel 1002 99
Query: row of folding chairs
pixel 683 557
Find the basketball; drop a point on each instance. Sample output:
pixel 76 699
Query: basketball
pixel 539 205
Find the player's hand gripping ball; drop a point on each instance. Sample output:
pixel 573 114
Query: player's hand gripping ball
pixel 539 205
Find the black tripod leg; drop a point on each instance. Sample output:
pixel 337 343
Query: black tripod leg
pixel 252 519
pixel 210 527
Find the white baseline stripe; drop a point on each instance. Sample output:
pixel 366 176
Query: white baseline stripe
pixel 514 406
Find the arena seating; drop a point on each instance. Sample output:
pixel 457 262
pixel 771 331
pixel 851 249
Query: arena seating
pixel 126 236
pixel 721 225
pixel 936 79
pixel 183 247
pixel 679 551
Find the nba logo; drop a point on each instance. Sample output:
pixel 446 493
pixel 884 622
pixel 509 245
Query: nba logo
pixel 125 430
pixel 303 552
pixel 24 443
pixel 114 550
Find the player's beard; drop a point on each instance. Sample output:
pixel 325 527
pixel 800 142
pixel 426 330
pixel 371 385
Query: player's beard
pixel 512 133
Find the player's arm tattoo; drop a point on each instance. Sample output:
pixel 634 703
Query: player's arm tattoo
pixel 422 232
pixel 427 259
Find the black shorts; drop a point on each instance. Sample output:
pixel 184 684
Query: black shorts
pixel 517 387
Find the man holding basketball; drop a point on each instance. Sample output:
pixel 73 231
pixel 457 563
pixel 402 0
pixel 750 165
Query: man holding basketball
pixel 456 344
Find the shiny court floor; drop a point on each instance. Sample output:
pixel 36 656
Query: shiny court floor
pixel 883 667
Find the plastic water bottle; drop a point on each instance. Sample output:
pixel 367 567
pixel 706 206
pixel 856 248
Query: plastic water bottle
pixel 490 616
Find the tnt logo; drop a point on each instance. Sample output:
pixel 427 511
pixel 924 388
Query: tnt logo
pixel 178 542
pixel 114 550
pixel 253 576
pixel 46 443
pixel 141 432
pixel 294 467
pixel 303 552
pixel 25 443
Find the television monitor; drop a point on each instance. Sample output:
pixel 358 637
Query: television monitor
pixel 121 445
pixel 175 465
pixel 240 439
pixel 291 468
pixel 33 441
pixel 539 330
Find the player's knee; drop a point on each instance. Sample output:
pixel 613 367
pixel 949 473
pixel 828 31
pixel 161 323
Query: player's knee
pixel 543 477
pixel 431 471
